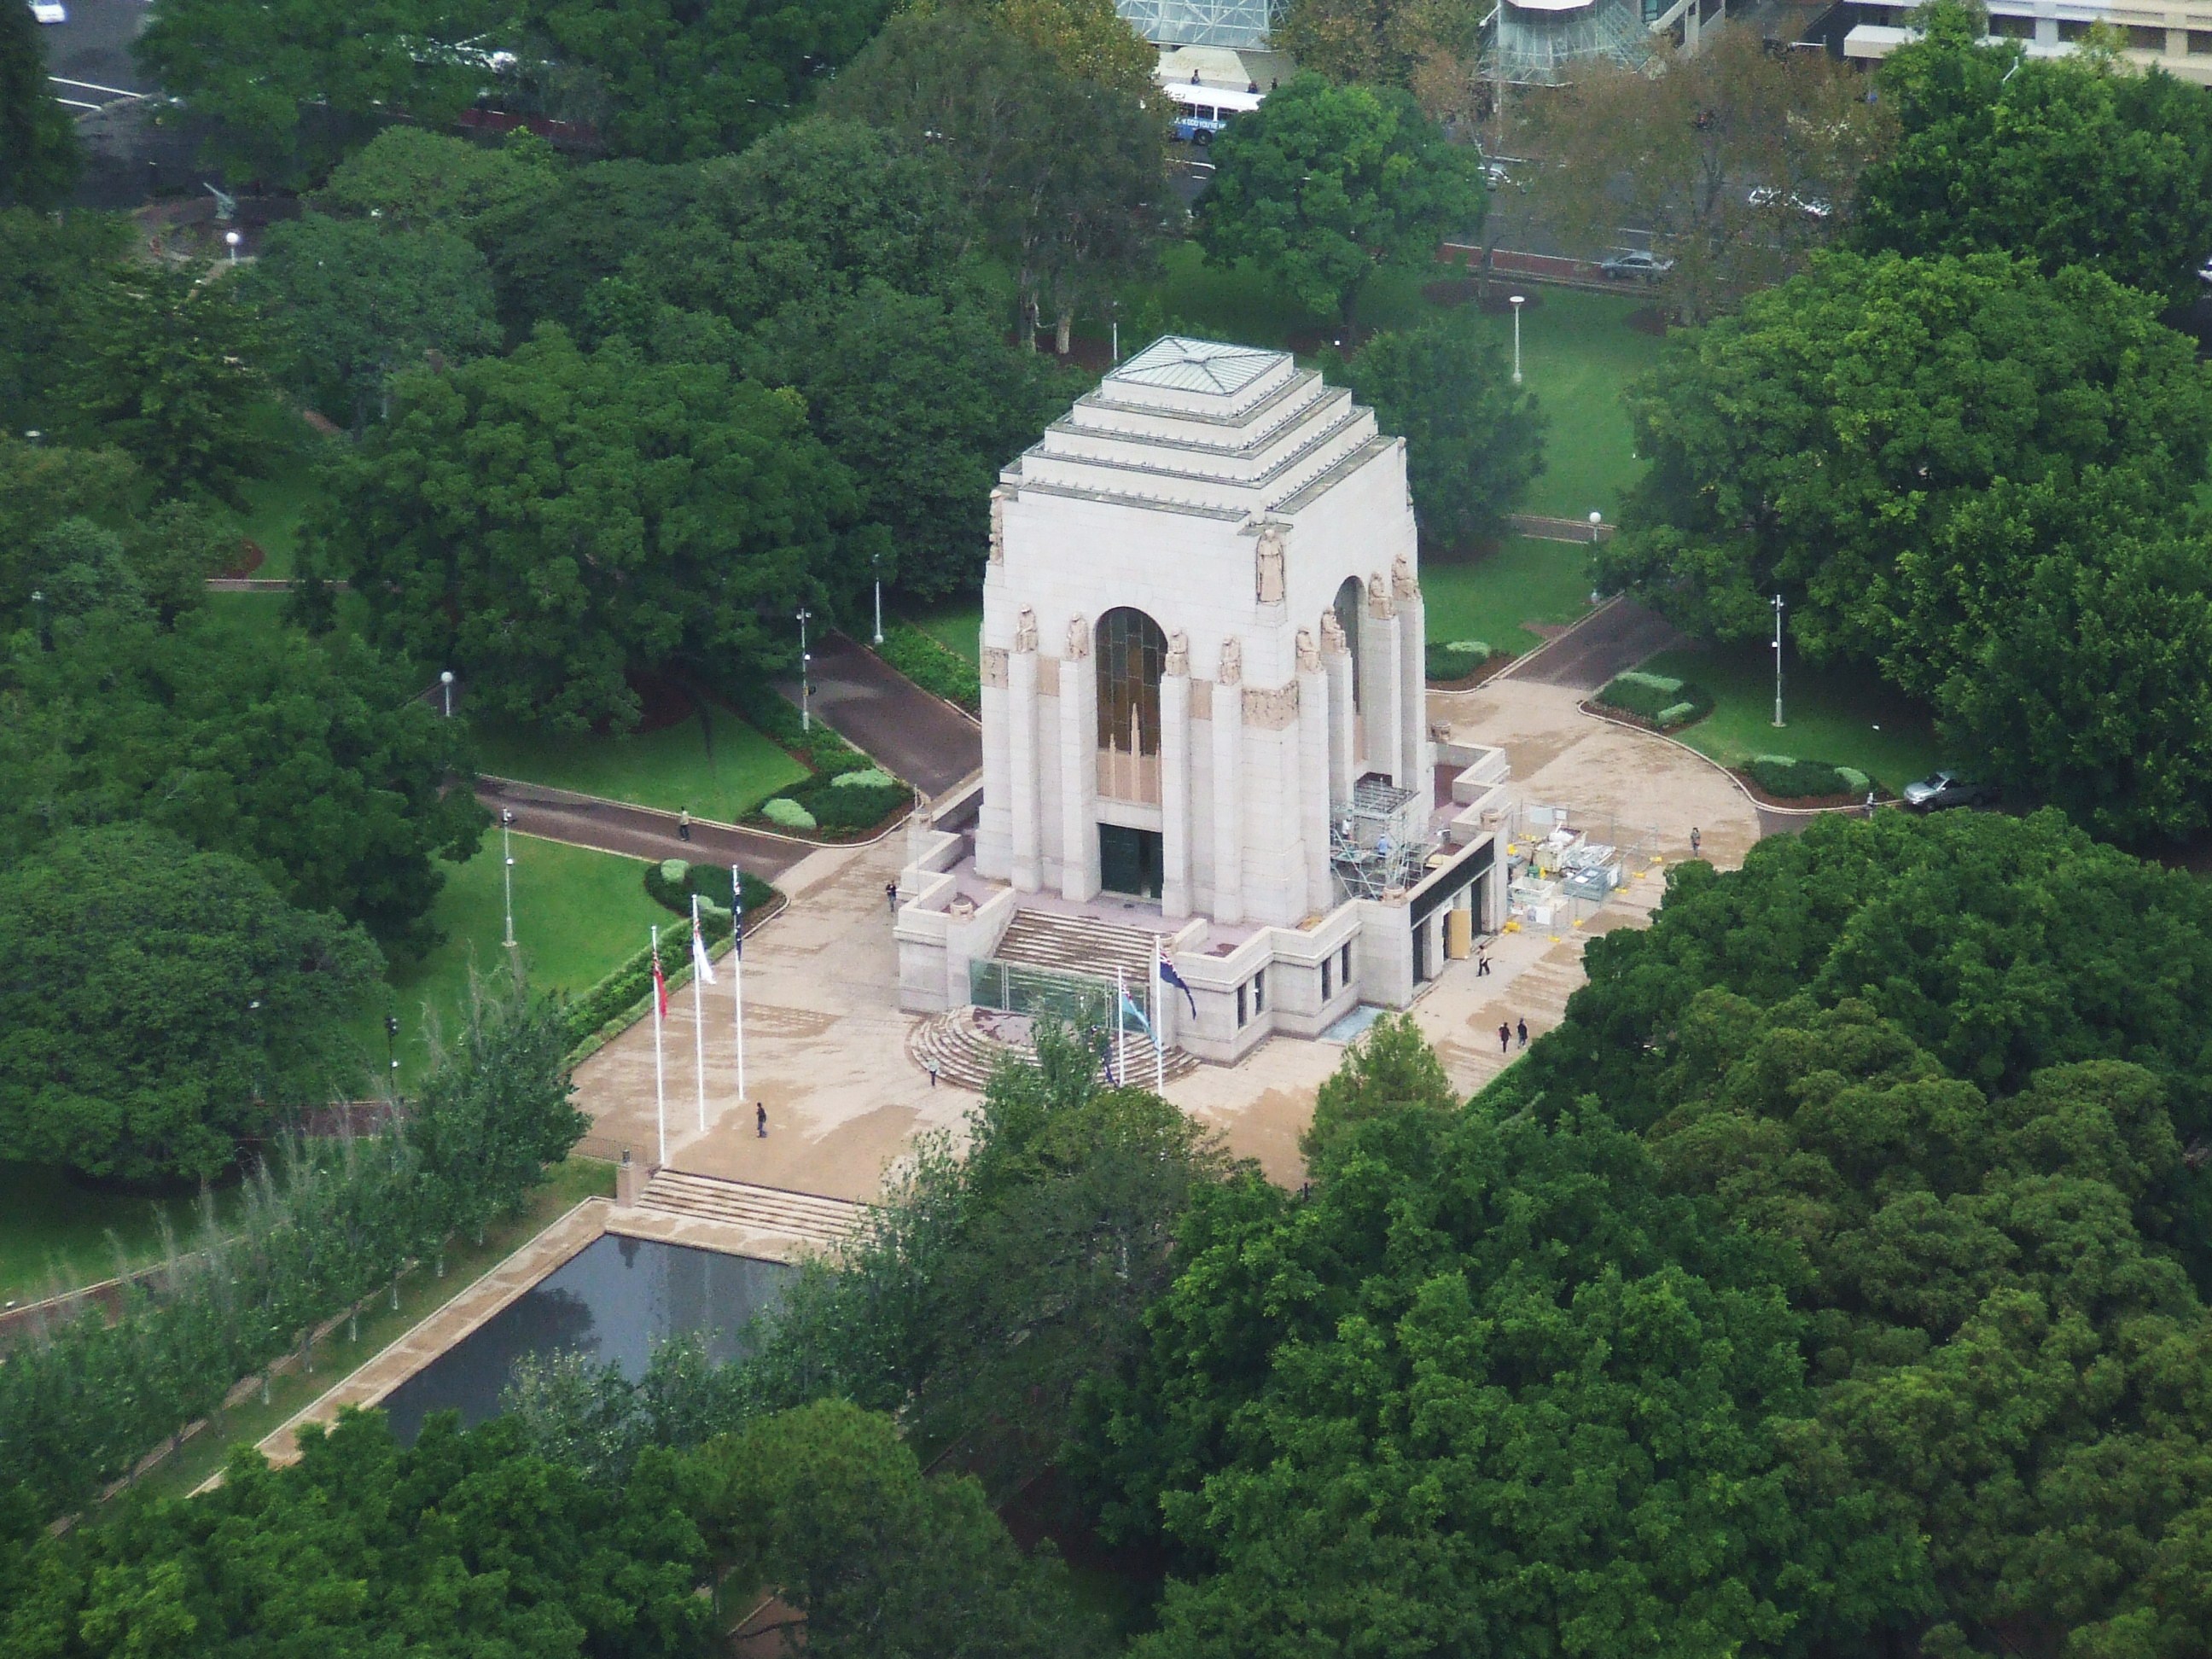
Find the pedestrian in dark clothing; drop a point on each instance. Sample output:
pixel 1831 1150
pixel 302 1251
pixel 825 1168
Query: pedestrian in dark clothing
pixel 932 1074
pixel 1870 806
pixel 1504 1037
pixel 891 895
pixel 1482 964
pixel 760 1119
pixel 1695 841
pixel 683 824
pixel 1521 1031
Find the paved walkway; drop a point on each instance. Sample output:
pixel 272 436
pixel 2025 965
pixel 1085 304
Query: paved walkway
pixel 923 739
pixel 640 831
pixel 1610 641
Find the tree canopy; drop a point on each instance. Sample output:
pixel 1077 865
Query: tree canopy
pixel 1938 463
pixel 552 521
pixel 161 1004
pixel 1322 184
pixel 2073 160
pixel 1473 441
pixel 40 156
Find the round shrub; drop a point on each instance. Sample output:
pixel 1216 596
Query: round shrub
pixel 870 777
pixel 788 813
pixel 1676 714
pixel 1853 780
pixel 1659 698
pixel 1455 660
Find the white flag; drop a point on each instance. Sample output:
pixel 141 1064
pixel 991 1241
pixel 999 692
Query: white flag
pixel 700 964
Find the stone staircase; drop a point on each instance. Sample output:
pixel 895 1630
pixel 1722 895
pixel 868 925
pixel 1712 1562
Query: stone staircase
pixel 967 1045
pixel 1076 944
pixel 769 1209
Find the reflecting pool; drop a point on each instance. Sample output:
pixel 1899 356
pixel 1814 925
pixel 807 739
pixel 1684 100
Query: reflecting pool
pixel 617 1299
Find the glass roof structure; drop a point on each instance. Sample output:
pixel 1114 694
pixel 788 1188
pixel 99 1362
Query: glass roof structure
pixel 1176 363
pixel 1232 23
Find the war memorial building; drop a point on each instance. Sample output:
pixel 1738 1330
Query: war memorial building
pixel 1204 721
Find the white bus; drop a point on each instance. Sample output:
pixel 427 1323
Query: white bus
pixel 1202 112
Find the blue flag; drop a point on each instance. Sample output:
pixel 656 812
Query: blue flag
pixel 1133 1015
pixel 1168 977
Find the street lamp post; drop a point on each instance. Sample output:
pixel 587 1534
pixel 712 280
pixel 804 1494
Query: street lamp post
pixel 806 698
pixel 446 685
pixel 1778 659
pixel 1516 300
pixel 391 1044
pixel 507 854
pixel 230 240
pixel 46 638
pixel 1597 520
pixel 875 563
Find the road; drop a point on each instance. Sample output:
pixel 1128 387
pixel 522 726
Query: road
pixel 88 60
pixel 1615 637
pixel 921 738
pixel 639 831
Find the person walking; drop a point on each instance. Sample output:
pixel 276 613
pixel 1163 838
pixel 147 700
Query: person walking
pixel 760 1119
pixel 1481 962
pixel 1521 1031
pixel 891 895
pixel 1504 1037
pixel 932 1074
pixel 1869 806
pixel 1696 841
pixel 683 824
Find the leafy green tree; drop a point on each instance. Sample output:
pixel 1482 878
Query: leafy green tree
pixel 810 211
pixel 2078 159
pixel 667 81
pixel 1919 455
pixel 462 1544
pixel 1485 1388
pixel 362 302
pixel 549 252
pixel 314 763
pixel 1064 173
pixel 51 271
pixel 826 1506
pixel 1322 184
pixel 416 180
pixel 290 86
pixel 1088 39
pixel 39 154
pixel 172 370
pixel 1429 47
pixel 161 1004
pixel 551 522
pixel 1473 441
pixel 42 484
pixel 922 402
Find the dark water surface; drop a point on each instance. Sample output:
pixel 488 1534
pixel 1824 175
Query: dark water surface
pixel 617 1299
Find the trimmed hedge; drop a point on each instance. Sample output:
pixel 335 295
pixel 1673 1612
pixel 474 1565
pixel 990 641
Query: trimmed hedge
pixel 1787 778
pixel 1853 780
pixel 673 888
pixel 786 813
pixel 822 749
pixel 1455 660
pixel 1663 700
pixel 930 664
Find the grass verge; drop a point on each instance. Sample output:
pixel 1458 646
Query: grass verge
pixel 421 1294
pixel 1489 596
pixel 1842 715
pixel 713 763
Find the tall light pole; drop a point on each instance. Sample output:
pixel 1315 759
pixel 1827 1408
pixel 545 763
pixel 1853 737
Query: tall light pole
pixel 230 240
pixel 805 704
pixel 876 564
pixel 1778 659
pixel 507 855
pixel 1597 520
pixel 446 685
pixel 1516 300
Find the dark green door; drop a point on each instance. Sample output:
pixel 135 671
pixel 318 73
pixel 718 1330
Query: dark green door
pixel 1130 860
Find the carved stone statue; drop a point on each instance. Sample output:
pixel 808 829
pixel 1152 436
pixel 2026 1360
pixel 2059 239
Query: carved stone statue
pixel 1232 661
pixel 1178 662
pixel 1309 652
pixel 1269 575
pixel 1026 630
pixel 998 524
pixel 1380 605
pixel 1402 584
pixel 1079 638
pixel 1333 641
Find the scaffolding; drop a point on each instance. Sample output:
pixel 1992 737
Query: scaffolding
pixel 1564 865
pixel 1540 47
pixel 1237 24
pixel 1379 847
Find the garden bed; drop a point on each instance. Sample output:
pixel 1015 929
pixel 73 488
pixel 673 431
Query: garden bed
pixel 1659 703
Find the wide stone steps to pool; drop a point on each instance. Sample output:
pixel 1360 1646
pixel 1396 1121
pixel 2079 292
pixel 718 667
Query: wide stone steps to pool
pixel 769 1209
pixel 1077 944
pixel 967 1045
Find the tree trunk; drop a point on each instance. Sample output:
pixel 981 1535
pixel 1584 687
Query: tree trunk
pixel 1063 329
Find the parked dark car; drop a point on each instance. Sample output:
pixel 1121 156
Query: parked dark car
pixel 1636 262
pixel 1941 789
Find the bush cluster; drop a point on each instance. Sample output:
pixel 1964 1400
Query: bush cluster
pixel 1455 660
pixel 333 1221
pixel 1790 779
pixel 934 667
pixel 673 882
pixel 1660 698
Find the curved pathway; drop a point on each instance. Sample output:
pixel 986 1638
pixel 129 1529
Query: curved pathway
pixel 640 831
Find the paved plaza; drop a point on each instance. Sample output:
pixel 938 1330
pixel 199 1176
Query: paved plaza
pixel 826 1046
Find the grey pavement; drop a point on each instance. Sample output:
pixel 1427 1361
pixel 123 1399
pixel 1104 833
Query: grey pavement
pixel 1615 637
pixel 922 739
pixel 640 831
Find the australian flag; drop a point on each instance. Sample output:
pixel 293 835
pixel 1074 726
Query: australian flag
pixel 1168 977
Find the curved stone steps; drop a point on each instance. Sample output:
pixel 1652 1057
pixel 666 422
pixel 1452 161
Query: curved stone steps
pixel 966 1055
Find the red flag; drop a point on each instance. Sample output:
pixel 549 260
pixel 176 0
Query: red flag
pixel 660 985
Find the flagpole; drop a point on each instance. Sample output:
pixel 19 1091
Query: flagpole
pixel 1159 1038
pixel 659 1076
pixel 1120 1032
pixel 738 968
pixel 699 1011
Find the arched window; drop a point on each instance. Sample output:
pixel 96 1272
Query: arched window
pixel 1132 653
pixel 1349 598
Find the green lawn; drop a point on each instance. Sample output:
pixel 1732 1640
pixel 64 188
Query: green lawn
pixel 1844 716
pixel 275 507
pixel 715 765
pixel 1489 597
pixel 55 1231
pixel 957 624
pixel 577 914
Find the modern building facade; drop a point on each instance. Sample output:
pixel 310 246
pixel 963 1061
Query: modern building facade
pixel 2177 38
pixel 1204 700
